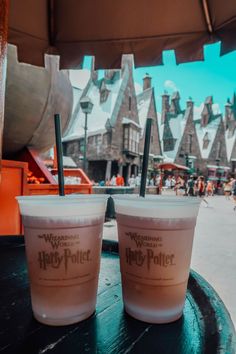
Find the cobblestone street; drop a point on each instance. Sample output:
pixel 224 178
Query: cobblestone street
pixel 214 250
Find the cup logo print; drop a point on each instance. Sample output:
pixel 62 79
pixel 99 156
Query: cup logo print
pixel 67 257
pixel 144 255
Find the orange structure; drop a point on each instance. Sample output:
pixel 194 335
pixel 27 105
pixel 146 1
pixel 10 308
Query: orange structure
pixel 16 180
pixel 45 181
pixel 13 183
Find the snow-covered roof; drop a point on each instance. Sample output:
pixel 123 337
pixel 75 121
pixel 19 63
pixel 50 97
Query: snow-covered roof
pixel 197 111
pixel 230 141
pixel 143 104
pixel 211 130
pixel 76 97
pixel 177 126
pixel 76 136
pixel 129 121
pixel 216 109
pixel 100 113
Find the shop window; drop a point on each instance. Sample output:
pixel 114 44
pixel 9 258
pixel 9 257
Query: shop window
pixel 131 139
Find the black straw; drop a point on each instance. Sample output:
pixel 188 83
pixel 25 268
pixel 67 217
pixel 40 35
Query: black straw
pixel 145 157
pixel 57 121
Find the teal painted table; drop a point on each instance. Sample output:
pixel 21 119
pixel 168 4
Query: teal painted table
pixel 204 328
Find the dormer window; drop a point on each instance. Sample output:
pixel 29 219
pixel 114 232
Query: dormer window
pixel 206 141
pixel 104 95
pixel 104 92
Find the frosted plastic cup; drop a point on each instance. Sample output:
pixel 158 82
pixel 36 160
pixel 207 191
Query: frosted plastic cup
pixel 63 239
pixel 155 245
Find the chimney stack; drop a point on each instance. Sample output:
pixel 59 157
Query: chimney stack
pixel 165 106
pixel 228 112
pixel 175 106
pixel 147 82
pixel 190 103
pixel 207 112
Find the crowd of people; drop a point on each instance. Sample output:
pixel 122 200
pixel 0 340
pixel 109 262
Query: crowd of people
pixel 187 186
pixel 198 186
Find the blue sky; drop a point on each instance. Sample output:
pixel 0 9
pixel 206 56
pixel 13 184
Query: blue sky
pixel 214 76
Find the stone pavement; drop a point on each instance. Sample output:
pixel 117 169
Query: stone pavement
pixel 214 249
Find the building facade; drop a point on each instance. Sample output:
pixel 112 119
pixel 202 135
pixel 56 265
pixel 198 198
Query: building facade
pixel 202 139
pixel 116 125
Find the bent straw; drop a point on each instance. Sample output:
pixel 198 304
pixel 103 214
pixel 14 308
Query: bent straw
pixel 145 157
pixel 57 121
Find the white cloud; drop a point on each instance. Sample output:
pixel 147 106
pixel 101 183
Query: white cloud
pixel 79 78
pixel 168 84
pixel 216 108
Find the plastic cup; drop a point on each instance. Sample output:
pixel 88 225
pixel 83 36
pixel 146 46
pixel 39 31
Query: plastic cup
pixel 63 239
pixel 155 245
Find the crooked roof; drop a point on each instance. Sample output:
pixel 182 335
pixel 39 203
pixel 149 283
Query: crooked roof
pixel 177 126
pixel 77 93
pixel 101 110
pixel 211 130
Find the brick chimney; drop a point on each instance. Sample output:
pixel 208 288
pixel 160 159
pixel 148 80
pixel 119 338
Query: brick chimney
pixel 147 82
pixel 175 106
pixel 228 112
pixel 165 106
pixel 190 104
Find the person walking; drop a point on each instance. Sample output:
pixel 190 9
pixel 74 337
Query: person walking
pixel 227 189
pixel 209 189
pixel 234 193
pixel 202 188
pixel 190 186
pixel 180 186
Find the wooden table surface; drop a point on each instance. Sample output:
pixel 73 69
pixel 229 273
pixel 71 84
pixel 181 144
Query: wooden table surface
pixel 205 326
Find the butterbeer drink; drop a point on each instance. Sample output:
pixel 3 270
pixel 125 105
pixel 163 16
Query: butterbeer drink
pixel 63 238
pixel 155 245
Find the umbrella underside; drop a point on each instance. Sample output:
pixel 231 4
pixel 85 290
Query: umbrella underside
pixel 107 29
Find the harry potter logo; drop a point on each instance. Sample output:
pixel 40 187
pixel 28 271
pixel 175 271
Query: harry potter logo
pixel 148 257
pixel 56 259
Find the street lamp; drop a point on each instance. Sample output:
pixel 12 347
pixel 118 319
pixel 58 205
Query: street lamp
pixel 86 106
